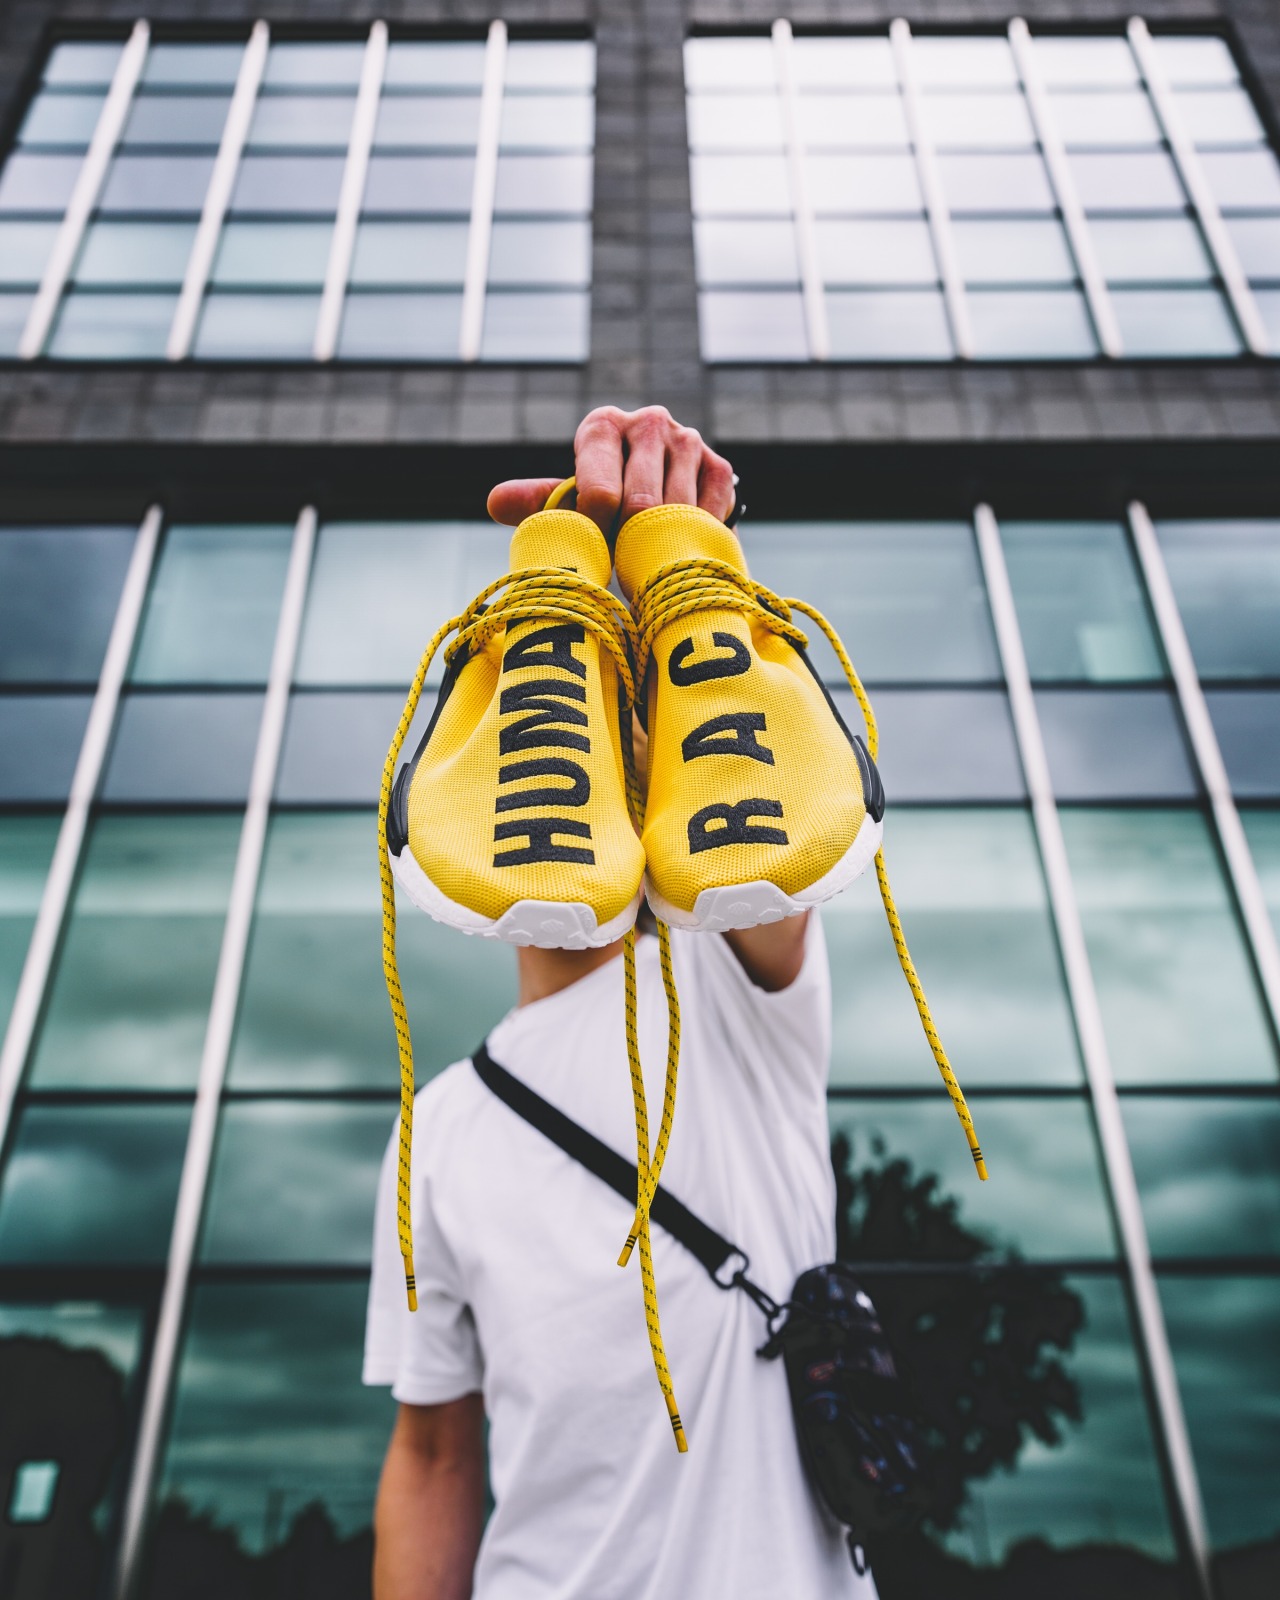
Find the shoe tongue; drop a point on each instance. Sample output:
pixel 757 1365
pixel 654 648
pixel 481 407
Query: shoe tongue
pixel 562 539
pixel 653 539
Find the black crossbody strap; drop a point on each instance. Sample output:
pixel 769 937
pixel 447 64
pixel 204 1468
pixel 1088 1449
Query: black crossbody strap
pixel 701 1241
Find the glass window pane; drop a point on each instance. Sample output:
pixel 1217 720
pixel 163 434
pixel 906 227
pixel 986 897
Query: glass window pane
pixel 94 1185
pixel 1080 602
pixel 1178 997
pixel 291 184
pixel 1115 744
pixel 943 744
pixel 314 66
pixel 294 1181
pixel 540 252
pixel 130 993
pixel 189 119
pixel 979 121
pixel 1085 63
pixel 1247 723
pixel 752 327
pixel 1209 1173
pixel 208 65
pixel 970 61
pixel 292 120
pixel 1195 60
pixel 976 915
pixel 442 121
pixel 65 119
pixel 535 327
pixel 40 735
pixel 1220 116
pixel 14 310
pixel 741 122
pixel 832 62
pixel 880 325
pixel 156 184
pixel 538 184
pixel 401 327
pixel 421 184
pixel 1150 250
pixel 1167 322
pixel 335 745
pixel 38 183
pixel 26 847
pixel 838 184
pixel 1029 324
pixel 437 63
pixel 58 593
pixel 1114 119
pixel 837 121
pixel 314 1011
pixel 1223 1333
pixel 547 122
pixel 211 614
pixel 996 183
pixel 907 596
pixel 128 327
pixel 1257 242
pixel 1127 181
pixel 739 186
pixel 875 252
pixel 24 249
pixel 251 1450
pixel 1053 1205
pixel 746 252
pixel 174 749
pixel 257 326
pixel 83 63
pixel 256 254
pixel 729 63
pixel 143 253
pixel 1243 178
pixel 1013 252
pixel 1263 831
pixel 550 64
pixel 410 253
pixel 1226 577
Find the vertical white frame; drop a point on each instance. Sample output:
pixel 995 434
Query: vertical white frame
pixel 813 294
pixel 1118 1164
pixel 213 1061
pixel 67 851
pixel 343 245
pixel 84 196
pixel 1259 928
pixel 217 198
pixel 480 234
pixel 935 202
pixel 1055 157
pixel 1197 186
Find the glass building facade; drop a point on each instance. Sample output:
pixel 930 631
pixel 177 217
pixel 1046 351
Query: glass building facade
pixel 1073 655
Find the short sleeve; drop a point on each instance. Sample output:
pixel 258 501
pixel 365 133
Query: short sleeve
pixel 430 1355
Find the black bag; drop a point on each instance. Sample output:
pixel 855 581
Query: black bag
pixel 853 1422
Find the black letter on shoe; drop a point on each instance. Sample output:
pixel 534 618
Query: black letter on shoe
pixel 548 647
pixel 736 829
pixel 538 831
pixel 577 794
pixel 544 697
pixel 743 725
pixel 737 661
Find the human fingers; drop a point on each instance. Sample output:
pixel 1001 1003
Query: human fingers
pixel 597 464
pixel 511 502
pixel 716 491
pixel 684 462
pixel 646 436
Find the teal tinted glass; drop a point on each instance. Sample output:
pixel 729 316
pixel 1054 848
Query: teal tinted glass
pixel 94 1185
pixel 121 327
pixel 907 598
pixel 294 1181
pixel 1080 602
pixel 1226 576
pixel 1262 828
pixel 1048 1203
pixel 26 847
pixel 974 908
pixel 130 994
pixel 24 249
pixel 314 1012
pixel 380 590
pixel 255 254
pixel 58 593
pixel 1179 1001
pixel 211 613
pixel 1209 1173
pixel 251 1448
pixel 153 254
pixel 1223 1333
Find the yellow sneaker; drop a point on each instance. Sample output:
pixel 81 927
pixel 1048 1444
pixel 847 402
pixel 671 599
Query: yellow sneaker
pixel 511 819
pixel 761 803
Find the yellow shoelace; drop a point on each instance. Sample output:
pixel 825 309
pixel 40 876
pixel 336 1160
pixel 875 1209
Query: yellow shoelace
pixel 682 587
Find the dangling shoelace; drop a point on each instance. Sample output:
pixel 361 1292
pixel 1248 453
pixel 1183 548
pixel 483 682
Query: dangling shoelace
pixel 681 587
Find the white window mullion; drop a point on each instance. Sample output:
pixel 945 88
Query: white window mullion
pixel 812 291
pixel 84 196
pixel 935 204
pixel 483 189
pixel 218 196
pixel 354 173
pixel 1055 157
pixel 1117 1161
pixel 1197 186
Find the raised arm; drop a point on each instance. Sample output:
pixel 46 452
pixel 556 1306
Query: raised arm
pixel 430 1506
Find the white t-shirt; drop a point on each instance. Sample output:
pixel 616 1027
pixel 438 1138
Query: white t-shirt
pixel 521 1296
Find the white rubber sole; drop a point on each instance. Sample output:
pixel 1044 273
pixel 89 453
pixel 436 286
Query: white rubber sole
pixel 747 905
pixel 548 924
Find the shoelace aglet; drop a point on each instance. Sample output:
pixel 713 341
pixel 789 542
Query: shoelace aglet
pixel 677 1427
pixel 410 1283
pixel 627 1249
